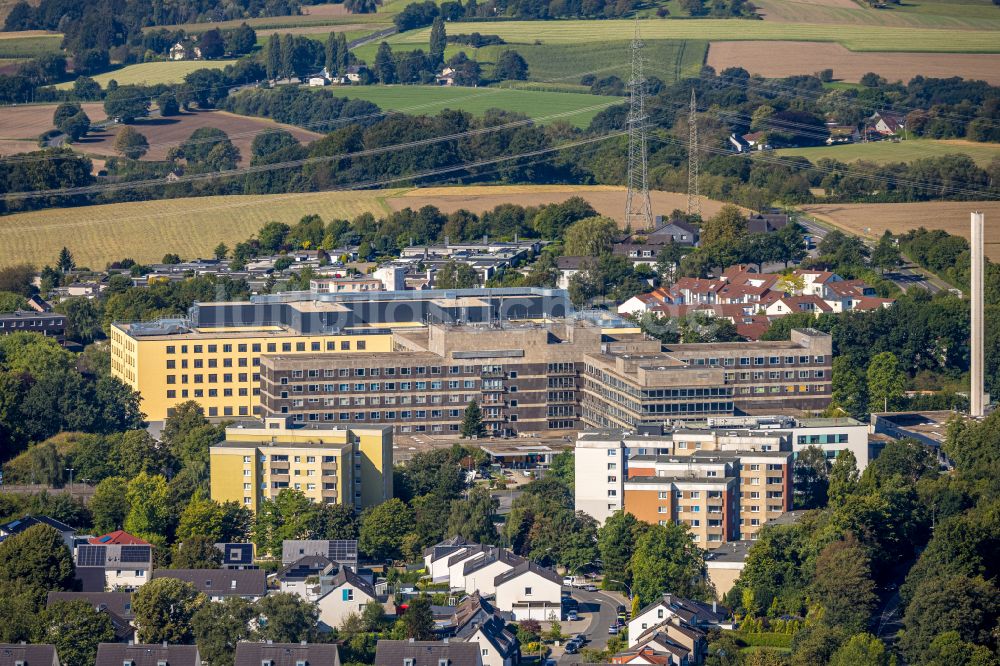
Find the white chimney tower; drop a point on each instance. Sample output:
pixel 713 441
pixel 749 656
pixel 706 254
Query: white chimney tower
pixel 976 388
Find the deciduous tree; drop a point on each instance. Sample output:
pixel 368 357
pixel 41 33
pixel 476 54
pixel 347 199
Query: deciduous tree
pixel 163 610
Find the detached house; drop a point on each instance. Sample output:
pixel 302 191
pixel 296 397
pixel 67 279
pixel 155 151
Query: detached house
pixel 115 561
pixel 286 654
pixel 120 654
pixel 116 605
pixel 340 595
pixel 217 584
pixel 427 653
pixel 693 613
pixel 20 654
pixel 530 592
pixel 476 621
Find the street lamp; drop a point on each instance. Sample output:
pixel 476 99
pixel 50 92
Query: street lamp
pixel 621 582
pixel 70 470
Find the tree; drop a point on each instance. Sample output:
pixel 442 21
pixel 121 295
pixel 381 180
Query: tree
pixel 196 552
pixel 861 650
pixel 843 476
pixel 886 383
pixel 76 628
pixel 843 585
pixel 850 385
pixel 287 516
pixel 37 557
pixel 563 468
pixel 211 44
pixel 219 626
pixel 439 40
pixel 201 517
pixel 944 603
pixel 729 225
pixel 510 67
pixel 167 104
pixel 812 478
pixel 286 618
pixel 240 41
pixel 590 237
pixel 106 505
pixel 11 302
pixel 163 610
pixel 886 255
pixel 70 119
pixel 149 512
pixel 666 560
pixel 472 421
pixel 362 6
pixel 383 528
pixel 65 261
pixel 454 275
pixel 474 518
pixel 126 103
pixel 273 57
pixel 130 143
pixel 949 648
pixel 83 319
pixel 418 619
pixel 616 543
pixel 385 64
pixel 335 521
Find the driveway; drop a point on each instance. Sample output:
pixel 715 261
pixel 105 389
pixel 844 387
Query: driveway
pixel 598 610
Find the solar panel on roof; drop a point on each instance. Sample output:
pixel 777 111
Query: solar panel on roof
pixel 135 554
pixel 104 539
pixel 344 551
pixel 91 556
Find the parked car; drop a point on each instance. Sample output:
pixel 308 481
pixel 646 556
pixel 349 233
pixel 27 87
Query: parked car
pixel 613 629
pixel 572 647
pixel 572 616
pixel 589 588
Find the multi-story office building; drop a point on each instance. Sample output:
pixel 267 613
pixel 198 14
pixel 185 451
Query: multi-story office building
pixel 723 484
pixel 212 355
pixel 329 465
pixel 632 384
pixel 526 377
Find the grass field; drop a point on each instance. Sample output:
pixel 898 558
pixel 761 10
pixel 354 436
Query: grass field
pixel 428 100
pixel 151 73
pixel 566 63
pixel 146 230
pixel 856 38
pixel 30 44
pixel 883 152
pixel 780 59
pixel 873 219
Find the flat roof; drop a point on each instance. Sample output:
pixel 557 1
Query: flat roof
pixel 734 551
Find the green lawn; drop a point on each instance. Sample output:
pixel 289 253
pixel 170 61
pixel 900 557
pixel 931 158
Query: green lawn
pixel 855 38
pixel 560 63
pixel 151 73
pixel 428 100
pixel 32 45
pixel 884 152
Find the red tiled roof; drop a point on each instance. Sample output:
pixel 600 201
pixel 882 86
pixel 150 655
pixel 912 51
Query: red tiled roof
pixel 118 537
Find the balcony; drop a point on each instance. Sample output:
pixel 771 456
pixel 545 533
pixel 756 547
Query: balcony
pixel 493 374
pixel 279 471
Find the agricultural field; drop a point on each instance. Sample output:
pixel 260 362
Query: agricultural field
pixel 28 44
pixel 566 63
pixel 152 73
pixel 165 133
pixel 961 15
pixel 883 152
pixel 780 59
pixel 27 122
pixel 192 227
pixel 872 220
pixel 578 109
pixel 855 38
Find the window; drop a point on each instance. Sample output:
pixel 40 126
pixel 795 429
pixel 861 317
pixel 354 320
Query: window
pixel 527 591
pixel 348 594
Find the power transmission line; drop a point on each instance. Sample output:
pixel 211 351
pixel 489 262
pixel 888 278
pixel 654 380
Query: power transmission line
pixel 638 208
pixel 694 202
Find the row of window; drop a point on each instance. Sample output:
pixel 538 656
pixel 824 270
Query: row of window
pixel 758 360
pixel 212 378
pixel 270 347
pixel 388 372
pixel 386 386
pixel 213 363
pixel 389 415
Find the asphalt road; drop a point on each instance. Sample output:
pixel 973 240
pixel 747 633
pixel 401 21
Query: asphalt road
pixel 598 610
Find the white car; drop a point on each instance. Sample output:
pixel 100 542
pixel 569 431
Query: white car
pixel 572 616
pixel 588 588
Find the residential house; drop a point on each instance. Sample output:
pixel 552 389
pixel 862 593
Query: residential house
pixel 568 267
pixel 480 572
pixel 436 557
pixel 49 324
pixel 725 564
pixel 237 555
pixel 841 134
pixel 182 51
pixel 643 247
pixel 113 565
pixel 342 594
pixel 143 654
pixel 427 653
pixel 354 74
pixel 765 223
pixel 755 141
pixel 318 81
pixel 668 654
pixel 20 524
pixel 888 124
pixel 286 654
pixel 218 584
pixel 36 654
pixel 340 551
pixel 529 591
pixel 116 605
pixel 295 578
pixel 446 77
pixel 693 613
pixel 475 620
pixel 643 303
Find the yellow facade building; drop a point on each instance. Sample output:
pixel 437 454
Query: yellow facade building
pixel 171 362
pixel 258 459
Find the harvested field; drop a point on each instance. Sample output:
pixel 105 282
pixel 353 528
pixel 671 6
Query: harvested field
pixel 884 152
pixel 965 15
pixel 29 121
pixel 854 37
pixel 15 146
pixel 147 230
pixel 606 199
pixel 951 216
pixel 352 29
pixel 165 133
pixel 780 59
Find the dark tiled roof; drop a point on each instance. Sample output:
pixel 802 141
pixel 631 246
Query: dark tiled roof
pixel 116 654
pixel 475 613
pixel 236 553
pixel 309 565
pixel 444 547
pixel 427 653
pixel 21 524
pixel 693 612
pixel 119 603
pixel 490 555
pixel 286 654
pixel 91 578
pixel 32 655
pixel 347 575
pixel 220 582
pixel 525 567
